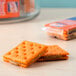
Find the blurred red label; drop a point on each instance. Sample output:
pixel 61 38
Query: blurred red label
pixel 9 8
pixel 13 8
pixel 64 24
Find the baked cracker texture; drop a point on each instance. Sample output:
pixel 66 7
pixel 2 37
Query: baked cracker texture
pixel 25 53
pixel 54 52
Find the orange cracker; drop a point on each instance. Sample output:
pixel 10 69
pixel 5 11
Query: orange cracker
pixel 54 53
pixel 25 53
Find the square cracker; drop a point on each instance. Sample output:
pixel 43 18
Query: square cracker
pixel 54 52
pixel 25 53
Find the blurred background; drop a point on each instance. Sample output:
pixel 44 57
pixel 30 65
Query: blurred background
pixel 58 3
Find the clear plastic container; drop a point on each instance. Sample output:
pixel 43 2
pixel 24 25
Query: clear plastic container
pixel 18 10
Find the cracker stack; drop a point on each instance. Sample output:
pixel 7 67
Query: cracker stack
pixel 28 52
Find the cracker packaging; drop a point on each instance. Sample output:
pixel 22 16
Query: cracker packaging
pixel 64 29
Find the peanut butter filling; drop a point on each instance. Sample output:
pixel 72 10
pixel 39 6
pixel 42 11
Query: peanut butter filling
pixel 72 34
pixel 52 57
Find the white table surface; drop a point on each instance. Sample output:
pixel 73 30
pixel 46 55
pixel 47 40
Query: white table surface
pixel 13 34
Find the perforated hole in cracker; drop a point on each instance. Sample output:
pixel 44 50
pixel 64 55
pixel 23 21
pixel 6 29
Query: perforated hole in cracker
pixel 40 47
pixel 16 52
pixel 23 43
pixel 16 55
pixel 16 48
pixel 24 46
pixel 9 53
pixel 25 57
pixel 31 44
pixel 24 53
pixel 32 52
pixel 32 48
